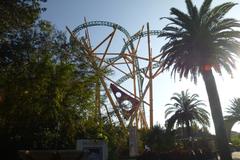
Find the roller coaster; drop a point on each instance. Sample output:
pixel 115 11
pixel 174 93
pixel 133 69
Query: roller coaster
pixel 129 89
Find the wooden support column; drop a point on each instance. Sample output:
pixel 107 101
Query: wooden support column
pixel 87 34
pixel 134 85
pixel 97 99
pixel 89 55
pixel 150 78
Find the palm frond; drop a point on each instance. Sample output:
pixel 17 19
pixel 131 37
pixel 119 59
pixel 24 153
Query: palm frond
pixel 234 109
pixel 231 45
pixel 218 12
pixel 176 22
pixel 189 7
pixel 181 16
pixel 196 42
pixel 171 28
pixel 225 24
pixel 227 34
pixel 186 109
pixel 205 8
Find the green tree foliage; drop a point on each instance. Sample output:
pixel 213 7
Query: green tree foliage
pixel 186 111
pixel 158 139
pixel 18 14
pixel 46 84
pixel 235 139
pixel 117 139
pixel 198 42
pixel 233 110
pixel 233 116
pixel 48 97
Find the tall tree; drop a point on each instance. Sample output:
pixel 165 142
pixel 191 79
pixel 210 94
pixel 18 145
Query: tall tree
pixel 19 14
pixel 198 42
pixel 234 109
pixel 48 96
pixel 233 116
pixel 16 16
pixel 46 88
pixel 186 111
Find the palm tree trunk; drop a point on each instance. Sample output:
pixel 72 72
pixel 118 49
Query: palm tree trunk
pixel 216 111
pixel 183 131
pixel 188 129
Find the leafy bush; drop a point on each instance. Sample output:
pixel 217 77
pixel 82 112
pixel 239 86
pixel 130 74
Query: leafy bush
pixel 158 139
pixel 235 139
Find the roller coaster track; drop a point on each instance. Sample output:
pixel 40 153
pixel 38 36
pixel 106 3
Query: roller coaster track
pixel 138 71
pixel 130 42
pixel 131 39
pixel 140 35
pixel 108 24
pixel 101 23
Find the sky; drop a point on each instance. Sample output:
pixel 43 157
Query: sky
pixel 132 15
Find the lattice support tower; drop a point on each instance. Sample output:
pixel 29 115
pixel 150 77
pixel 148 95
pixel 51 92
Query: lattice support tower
pixel 126 63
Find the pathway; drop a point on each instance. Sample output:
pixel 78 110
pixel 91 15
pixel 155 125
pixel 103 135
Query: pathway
pixel 236 155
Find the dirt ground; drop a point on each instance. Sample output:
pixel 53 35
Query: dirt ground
pixel 236 155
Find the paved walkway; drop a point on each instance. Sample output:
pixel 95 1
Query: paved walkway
pixel 236 155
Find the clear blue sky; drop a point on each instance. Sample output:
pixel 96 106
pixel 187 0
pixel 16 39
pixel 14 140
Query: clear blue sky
pixel 132 14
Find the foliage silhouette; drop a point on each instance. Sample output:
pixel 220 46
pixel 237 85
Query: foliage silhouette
pixel 198 42
pixel 186 111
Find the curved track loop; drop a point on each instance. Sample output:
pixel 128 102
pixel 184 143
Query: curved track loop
pixel 130 42
pixel 138 71
pixel 108 24
pixel 140 35
pixel 101 23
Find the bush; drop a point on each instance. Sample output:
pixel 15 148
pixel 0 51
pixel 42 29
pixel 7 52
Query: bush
pixel 158 139
pixel 235 139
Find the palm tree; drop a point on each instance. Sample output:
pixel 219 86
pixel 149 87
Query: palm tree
pixel 234 109
pixel 186 111
pixel 198 42
pixel 233 115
